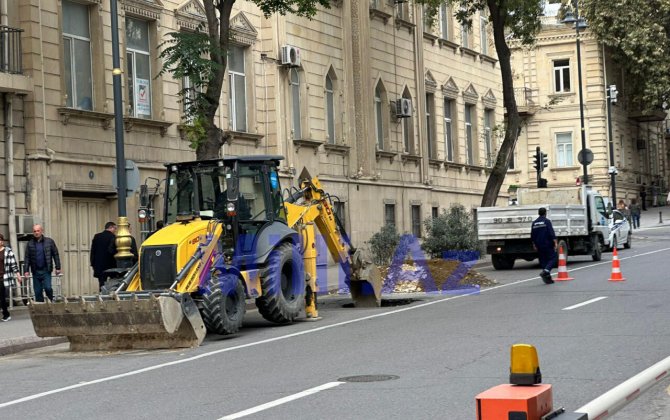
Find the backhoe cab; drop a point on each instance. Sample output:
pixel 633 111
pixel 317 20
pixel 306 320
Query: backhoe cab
pixel 228 236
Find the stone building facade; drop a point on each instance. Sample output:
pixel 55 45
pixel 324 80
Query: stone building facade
pixel 396 113
pixel 546 83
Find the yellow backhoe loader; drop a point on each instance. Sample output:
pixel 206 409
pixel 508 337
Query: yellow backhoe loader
pixel 230 235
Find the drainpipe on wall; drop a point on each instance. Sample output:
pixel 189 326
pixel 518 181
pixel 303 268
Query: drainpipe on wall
pixel 9 149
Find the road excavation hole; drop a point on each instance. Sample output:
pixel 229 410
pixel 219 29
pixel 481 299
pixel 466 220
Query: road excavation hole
pixel 387 303
pixel 368 378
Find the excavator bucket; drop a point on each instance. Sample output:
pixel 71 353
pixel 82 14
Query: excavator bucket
pixel 365 283
pixel 121 321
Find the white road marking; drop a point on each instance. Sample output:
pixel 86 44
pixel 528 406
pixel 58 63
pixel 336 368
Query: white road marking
pixel 287 336
pixel 281 401
pixel 585 303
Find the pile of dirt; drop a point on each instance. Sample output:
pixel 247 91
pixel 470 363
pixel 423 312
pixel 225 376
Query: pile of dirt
pixel 435 275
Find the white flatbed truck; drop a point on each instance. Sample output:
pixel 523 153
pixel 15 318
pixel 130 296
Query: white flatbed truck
pixel 578 214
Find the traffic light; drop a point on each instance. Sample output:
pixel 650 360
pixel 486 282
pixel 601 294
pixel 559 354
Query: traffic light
pixel 537 160
pixel 540 160
pixel 613 93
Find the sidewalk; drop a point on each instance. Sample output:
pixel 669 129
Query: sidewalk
pixel 18 334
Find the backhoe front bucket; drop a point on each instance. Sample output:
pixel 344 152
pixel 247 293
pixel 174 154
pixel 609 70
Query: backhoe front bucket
pixel 121 321
pixel 365 283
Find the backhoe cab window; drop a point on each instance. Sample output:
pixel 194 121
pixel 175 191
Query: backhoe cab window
pixel 251 202
pixel 600 207
pixel 200 191
pixel 180 189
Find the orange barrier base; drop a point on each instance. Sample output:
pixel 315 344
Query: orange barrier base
pixel 499 402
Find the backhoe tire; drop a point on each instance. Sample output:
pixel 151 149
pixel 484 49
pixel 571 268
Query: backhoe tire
pixel 283 285
pixel 223 304
pixel 502 262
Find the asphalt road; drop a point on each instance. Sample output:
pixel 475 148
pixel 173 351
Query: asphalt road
pixel 436 354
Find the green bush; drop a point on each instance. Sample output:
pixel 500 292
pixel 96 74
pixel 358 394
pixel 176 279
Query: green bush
pixel 453 230
pixel 383 244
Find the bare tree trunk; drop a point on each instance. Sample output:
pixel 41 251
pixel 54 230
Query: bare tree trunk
pixel 219 35
pixel 513 121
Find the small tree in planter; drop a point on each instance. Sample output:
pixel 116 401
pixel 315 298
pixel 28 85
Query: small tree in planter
pixel 452 232
pixel 383 244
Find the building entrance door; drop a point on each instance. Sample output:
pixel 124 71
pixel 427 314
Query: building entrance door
pixel 84 217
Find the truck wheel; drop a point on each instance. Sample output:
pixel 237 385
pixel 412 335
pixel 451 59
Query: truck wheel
pixel 283 285
pixel 629 241
pixel 597 251
pixel 223 304
pixel 502 262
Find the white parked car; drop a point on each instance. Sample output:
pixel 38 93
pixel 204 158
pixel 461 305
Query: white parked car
pixel 620 232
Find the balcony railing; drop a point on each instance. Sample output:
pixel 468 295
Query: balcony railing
pixel 526 100
pixel 10 50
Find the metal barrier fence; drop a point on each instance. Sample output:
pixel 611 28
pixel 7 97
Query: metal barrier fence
pixel 24 291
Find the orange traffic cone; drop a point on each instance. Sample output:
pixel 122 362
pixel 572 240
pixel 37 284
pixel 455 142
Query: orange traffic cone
pixel 562 267
pixel 616 268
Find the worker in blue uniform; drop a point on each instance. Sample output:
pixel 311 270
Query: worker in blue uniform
pixel 545 243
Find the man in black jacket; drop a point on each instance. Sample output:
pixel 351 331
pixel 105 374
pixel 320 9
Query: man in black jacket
pixel 40 257
pixel 102 252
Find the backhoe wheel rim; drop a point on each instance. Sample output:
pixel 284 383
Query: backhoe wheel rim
pixel 287 286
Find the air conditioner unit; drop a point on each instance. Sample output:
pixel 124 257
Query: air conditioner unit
pixel 290 56
pixel 403 108
pixel 24 224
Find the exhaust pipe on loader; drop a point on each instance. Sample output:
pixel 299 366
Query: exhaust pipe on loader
pixel 122 321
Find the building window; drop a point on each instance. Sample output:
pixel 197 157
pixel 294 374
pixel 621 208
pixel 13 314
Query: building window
pixel 465 36
pixel 512 161
pixel 488 134
pixel 379 116
pixel 562 76
pixel 483 29
pixel 445 15
pixel 338 209
pixel 416 220
pixel 408 131
pixel 403 11
pixel 564 150
pixel 77 56
pixel 138 60
pixel 294 81
pixel 448 130
pixel 430 125
pixel 330 109
pixel 389 214
pixel 469 146
pixel 190 93
pixel 237 88
pixel 435 212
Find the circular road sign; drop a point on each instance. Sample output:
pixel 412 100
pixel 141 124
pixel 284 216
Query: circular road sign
pixel 585 156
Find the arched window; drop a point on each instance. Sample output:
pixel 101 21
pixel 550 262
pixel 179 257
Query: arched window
pixel 294 81
pixel 379 120
pixel 330 110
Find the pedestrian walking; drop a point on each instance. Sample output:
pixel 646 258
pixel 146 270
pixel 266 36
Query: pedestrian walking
pixel 545 243
pixel 643 196
pixel 41 257
pixel 9 270
pixel 102 253
pixel 635 213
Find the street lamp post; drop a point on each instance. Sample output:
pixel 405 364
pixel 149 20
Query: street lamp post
pixel 611 99
pixel 123 239
pixel 579 24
